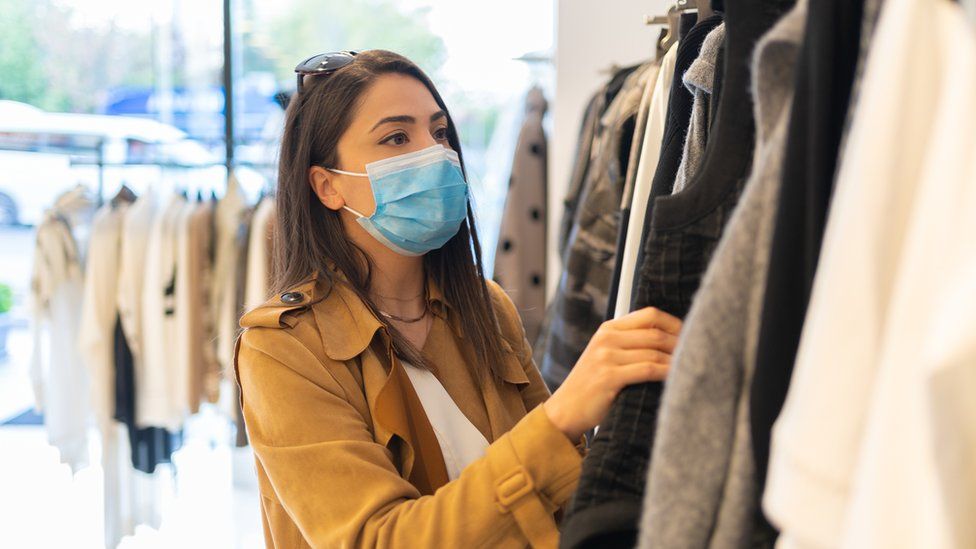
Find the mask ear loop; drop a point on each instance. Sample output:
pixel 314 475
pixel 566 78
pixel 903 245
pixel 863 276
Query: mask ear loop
pixel 343 172
pixel 352 210
pixel 354 174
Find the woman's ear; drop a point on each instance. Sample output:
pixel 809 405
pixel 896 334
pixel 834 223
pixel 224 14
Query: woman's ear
pixel 323 185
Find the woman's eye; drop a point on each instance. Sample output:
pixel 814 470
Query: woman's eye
pixel 440 134
pixel 396 139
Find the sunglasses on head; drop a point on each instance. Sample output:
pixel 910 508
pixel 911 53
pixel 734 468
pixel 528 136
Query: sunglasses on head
pixel 323 63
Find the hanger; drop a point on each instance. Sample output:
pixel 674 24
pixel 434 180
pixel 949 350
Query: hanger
pixel 125 195
pixel 669 35
pixel 704 8
pixel 536 57
pixel 539 63
pixel 672 19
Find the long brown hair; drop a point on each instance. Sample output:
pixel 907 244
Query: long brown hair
pixel 309 234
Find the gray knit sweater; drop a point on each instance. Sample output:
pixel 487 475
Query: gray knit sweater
pixel 699 79
pixel 701 486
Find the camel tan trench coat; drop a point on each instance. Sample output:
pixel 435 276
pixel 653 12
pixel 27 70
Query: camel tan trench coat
pixel 345 454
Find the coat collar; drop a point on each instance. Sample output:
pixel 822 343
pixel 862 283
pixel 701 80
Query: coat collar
pixel 347 326
pixel 340 305
pixel 343 307
pixel 348 329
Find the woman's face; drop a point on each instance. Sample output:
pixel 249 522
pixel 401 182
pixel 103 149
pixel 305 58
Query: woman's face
pixel 397 115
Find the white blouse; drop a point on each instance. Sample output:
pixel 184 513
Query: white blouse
pixel 461 442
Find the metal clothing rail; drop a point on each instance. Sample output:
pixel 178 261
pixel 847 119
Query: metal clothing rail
pixel 236 164
pixel 93 156
pixel 164 165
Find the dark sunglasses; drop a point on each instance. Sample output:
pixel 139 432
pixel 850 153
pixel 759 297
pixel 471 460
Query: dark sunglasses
pixel 323 63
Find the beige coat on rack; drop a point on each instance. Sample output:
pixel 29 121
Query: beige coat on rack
pixel 230 211
pixel 520 259
pixel 259 254
pixel 97 348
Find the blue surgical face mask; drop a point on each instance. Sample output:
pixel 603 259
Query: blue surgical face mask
pixel 421 200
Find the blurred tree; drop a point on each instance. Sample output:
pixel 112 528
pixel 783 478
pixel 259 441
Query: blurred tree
pixel 23 74
pixel 257 55
pixel 315 26
pixel 48 61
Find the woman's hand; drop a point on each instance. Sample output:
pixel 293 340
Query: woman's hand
pixel 631 349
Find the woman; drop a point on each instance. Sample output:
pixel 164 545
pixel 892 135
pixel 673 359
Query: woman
pixel 388 389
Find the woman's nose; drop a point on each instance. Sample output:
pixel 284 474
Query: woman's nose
pixel 426 141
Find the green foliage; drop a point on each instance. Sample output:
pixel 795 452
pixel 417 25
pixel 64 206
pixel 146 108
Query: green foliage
pixel 6 298
pixel 316 26
pixel 49 62
pixel 23 76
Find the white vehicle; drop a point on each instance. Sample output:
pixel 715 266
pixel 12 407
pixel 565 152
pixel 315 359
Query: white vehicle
pixel 42 154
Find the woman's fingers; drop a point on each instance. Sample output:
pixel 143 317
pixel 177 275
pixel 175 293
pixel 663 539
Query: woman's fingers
pixel 641 372
pixel 641 318
pixel 643 338
pixel 648 317
pixel 639 356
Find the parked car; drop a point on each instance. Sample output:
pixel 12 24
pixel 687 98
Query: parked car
pixel 42 154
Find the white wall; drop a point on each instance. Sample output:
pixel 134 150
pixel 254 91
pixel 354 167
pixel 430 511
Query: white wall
pixel 590 37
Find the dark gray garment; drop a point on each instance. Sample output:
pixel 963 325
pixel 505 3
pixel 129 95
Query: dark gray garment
pixel 591 117
pixel 686 23
pixel 701 486
pixel 587 145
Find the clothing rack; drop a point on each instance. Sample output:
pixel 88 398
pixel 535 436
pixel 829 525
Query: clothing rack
pixel 174 165
pixel 94 156
pixel 670 35
pixel 163 165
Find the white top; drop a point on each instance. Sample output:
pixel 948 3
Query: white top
pixel 461 442
pixel 137 224
pixel 158 379
pixel 876 442
pixel 59 377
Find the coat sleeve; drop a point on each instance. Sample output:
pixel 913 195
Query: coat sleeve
pixel 342 489
pixel 514 333
pixel 536 392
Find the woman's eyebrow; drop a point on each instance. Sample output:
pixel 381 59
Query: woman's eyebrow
pixel 403 118
pixel 407 119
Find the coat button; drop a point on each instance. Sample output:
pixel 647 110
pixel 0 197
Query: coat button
pixel 292 298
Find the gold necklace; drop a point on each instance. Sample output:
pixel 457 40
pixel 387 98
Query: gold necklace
pixel 405 320
pixel 391 298
pixel 423 314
